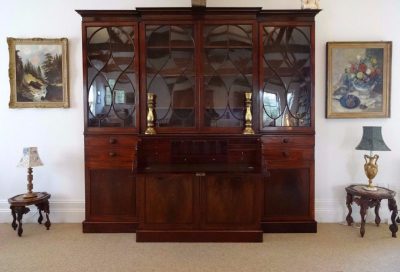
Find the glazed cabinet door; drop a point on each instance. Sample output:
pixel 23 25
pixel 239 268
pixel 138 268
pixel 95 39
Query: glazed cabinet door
pixel 111 62
pixel 286 76
pixel 199 74
pixel 228 59
pixel 169 65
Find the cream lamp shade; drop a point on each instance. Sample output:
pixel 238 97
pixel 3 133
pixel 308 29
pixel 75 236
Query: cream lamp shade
pixel 30 158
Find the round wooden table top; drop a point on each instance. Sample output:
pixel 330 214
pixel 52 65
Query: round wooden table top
pixel 381 193
pixel 19 200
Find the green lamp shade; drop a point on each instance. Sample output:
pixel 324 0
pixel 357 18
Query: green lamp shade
pixel 372 140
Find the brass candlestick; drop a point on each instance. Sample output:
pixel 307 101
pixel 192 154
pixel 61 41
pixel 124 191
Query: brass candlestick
pixel 248 117
pixel 150 114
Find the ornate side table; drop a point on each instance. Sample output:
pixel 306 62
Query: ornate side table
pixel 18 208
pixel 369 199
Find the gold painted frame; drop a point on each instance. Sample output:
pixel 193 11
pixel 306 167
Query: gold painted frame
pixel 34 71
pixel 358 78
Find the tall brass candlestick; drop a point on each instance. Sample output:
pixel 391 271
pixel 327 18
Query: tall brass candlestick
pixel 150 114
pixel 248 117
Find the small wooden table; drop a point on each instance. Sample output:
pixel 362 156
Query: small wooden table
pixel 18 208
pixel 368 199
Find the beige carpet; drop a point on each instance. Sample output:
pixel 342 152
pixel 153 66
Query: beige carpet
pixel 65 248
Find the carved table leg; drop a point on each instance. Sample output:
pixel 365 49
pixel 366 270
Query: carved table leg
pixel 20 212
pixel 13 224
pixel 363 211
pixel 393 208
pixel 349 218
pixel 377 218
pixel 46 209
pixel 40 209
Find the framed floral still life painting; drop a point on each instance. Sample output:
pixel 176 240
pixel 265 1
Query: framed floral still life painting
pixel 358 79
pixel 38 73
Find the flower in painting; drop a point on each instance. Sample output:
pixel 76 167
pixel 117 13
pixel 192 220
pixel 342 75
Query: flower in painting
pixel 364 74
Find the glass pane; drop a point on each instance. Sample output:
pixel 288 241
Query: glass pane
pixel 228 35
pixel 112 78
pixel 228 74
pixel 170 74
pixel 287 76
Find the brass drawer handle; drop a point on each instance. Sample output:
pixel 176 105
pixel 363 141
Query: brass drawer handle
pixel 112 154
pixel 201 174
pixel 112 141
pixel 285 140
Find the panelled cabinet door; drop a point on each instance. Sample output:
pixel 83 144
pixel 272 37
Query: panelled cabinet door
pixel 112 75
pixel 286 76
pixel 112 195
pixel 230 201
pixel 169 201
pixel 287 193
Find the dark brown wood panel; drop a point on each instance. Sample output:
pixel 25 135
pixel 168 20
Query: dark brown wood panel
pixel 230 201
pixel 289 154
pixel 287 194
pixel 169 200
pixel 199 236
pixel 112 195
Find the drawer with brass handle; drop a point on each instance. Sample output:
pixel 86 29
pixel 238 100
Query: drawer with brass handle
pixel 110 157
pixel 287 140
pixel 289 154
pixel 111 140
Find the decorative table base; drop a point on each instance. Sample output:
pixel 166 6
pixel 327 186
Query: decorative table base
pixel 369 199
pixel 18 208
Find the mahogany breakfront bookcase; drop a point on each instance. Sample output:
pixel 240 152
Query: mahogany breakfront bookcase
pixel 199 178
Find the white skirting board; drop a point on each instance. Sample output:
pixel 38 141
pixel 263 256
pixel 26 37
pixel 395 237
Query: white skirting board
pixel 73 211
pixel 61 211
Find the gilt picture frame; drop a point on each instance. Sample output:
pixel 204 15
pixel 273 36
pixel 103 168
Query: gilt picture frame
pixel 38 73
pixel 358 78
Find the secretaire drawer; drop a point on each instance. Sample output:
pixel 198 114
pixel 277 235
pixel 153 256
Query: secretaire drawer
pixel 111 140
pixel 287 140
pixel 110 157
pixel 287 154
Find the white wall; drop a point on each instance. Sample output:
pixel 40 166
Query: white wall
pixel 58 133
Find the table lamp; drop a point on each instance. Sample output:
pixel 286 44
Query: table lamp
pixel 372 141
pixel 30 158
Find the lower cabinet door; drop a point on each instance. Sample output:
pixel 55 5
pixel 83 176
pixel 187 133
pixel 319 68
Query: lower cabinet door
pixel 112 195
pixel 169 201
pixel 287 193
pixel 231 201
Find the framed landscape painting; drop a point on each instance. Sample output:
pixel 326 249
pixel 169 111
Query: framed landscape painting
pixel 38 73
pixel 358 79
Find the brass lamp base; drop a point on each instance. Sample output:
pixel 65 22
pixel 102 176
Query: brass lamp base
pixel 370 169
